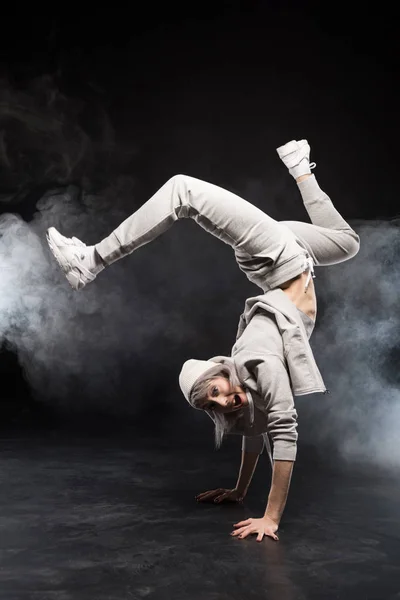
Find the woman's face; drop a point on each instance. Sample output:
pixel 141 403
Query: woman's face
pixel 223 397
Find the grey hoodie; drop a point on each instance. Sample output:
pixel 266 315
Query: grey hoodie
pixel 274 361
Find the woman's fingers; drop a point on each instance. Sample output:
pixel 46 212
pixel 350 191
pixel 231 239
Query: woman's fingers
pixel 239 532
pixel 219 495
pixel 272 535
pixel 241 523
pixel 223 497
pixel 229 496
pixel 202 497
pixel 243 534
pixel 209 495
pixel 258 526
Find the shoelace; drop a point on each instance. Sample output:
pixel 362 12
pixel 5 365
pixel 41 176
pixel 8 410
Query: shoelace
pixel 308 265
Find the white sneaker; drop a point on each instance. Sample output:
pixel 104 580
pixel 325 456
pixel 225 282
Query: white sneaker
pixel 77 260
pixel 296 156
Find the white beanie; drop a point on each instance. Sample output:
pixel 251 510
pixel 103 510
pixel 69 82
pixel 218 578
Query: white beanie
pixel 192 369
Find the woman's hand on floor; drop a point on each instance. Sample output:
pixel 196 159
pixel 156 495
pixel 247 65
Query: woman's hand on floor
pixel 220 495
pixel 264 526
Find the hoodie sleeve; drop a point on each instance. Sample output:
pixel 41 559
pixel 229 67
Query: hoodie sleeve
pixel 273 385
pixel 259 349
pixel 241 326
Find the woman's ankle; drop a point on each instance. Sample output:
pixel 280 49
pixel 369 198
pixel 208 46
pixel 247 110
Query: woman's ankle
pixel 303 177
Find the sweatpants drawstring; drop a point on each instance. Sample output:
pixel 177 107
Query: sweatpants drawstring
pixel 308 265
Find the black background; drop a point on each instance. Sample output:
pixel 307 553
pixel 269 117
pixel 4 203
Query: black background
pixel 149 91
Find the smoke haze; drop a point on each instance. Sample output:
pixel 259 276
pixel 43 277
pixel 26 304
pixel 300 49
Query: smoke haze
pixel 119 343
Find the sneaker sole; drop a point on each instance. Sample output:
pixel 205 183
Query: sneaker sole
pixel 290 147
pixel 72 278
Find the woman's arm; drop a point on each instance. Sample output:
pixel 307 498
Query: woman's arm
pixel 281 476
pixel 246 471
pixel 262 343
pixel 269 523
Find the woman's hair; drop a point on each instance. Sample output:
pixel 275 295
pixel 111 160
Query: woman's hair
pixel 198 398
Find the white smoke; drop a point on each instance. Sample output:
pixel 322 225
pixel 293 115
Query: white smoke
pixel 177 298
pixel 355 343
pixel 73 348
pixel 76 348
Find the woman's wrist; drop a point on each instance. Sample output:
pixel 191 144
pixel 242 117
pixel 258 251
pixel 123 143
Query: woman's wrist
pixel 240 491
pixel 274 518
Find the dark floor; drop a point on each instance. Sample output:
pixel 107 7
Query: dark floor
pixel 115 518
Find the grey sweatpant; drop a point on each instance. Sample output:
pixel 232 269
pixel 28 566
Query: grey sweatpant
pixel 267 251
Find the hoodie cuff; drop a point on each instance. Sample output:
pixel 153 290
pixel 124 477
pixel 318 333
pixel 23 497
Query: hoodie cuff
pixel 285 450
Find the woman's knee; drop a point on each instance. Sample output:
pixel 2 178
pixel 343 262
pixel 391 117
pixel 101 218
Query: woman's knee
pixel 178 179
pixel 352 244
pixel 179 188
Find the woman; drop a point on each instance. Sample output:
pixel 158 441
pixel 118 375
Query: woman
pixel 251 392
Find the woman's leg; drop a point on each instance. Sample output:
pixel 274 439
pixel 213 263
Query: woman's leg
pixel 265 250
pixel 221 213
pixel 329 239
